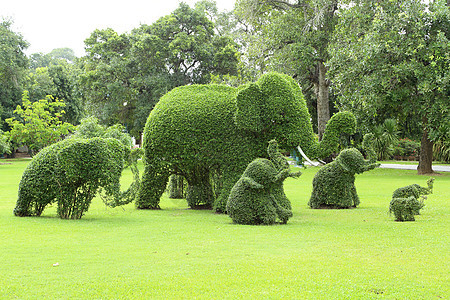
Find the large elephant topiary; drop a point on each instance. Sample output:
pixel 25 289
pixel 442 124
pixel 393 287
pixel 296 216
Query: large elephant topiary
pixel 71 172
pixel 199 130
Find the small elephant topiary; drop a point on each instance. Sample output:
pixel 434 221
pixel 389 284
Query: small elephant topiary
pixel 71 172
pixel 334 183
pixel 405 203
pixel 404 209
pixel 258 196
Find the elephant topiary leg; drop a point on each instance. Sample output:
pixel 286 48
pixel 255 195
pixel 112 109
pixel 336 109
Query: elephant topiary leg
pixel 199 190
pixel 153 185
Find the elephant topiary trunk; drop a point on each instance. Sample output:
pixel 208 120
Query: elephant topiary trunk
pixel 199 130
pixel 71 172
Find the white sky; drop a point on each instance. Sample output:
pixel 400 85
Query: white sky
pixel 50 24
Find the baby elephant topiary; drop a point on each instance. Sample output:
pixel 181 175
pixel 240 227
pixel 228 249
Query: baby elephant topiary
pixel 405 203
pixel 258 196
pixel 334 183
pixel 404 209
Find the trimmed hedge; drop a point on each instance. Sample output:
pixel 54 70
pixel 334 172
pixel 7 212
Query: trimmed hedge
pixel 258 196
pixel 405 201
pixel 70 173
pixel 210 133
pixel 334 183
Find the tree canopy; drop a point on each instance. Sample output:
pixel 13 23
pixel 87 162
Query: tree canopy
pixel 391 59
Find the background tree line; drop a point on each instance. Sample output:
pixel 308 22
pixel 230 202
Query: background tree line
pixel 380 59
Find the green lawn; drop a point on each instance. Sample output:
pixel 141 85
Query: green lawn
pixel 177 253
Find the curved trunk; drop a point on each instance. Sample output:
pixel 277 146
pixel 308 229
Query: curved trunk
pixel 340 123
pixel 117 198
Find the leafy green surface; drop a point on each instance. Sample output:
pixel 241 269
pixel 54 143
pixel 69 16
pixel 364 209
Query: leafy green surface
pixel 177 253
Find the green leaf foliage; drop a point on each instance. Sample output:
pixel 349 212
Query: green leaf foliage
pixel 4 144
pixel 334 183
pixel 404 209
pixel 39 123
pixel 70 173
pixel 258 196
pixel 406 200
pixel 199 130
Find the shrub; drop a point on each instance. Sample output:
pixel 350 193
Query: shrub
pixel 406 147
pixel 258 196
pixel 4 144
pixel 405 201
pixel 39 124
pixel 90 128
pixel 334 183
pixel 441 150
pixel 385 136
pixel 404 209
pixel 70 173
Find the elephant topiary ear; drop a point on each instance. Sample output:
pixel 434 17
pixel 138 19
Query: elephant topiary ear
pixel 248 108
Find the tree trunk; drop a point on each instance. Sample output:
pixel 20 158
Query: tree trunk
pixel 323 106
pixel 426 154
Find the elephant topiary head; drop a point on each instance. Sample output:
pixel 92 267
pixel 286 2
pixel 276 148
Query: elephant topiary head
pixel 352 161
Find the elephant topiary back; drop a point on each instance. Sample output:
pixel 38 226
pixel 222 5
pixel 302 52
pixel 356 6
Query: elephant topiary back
pixel 70 173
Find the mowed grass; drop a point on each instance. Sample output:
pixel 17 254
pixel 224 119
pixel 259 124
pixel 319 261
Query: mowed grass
pixel 177 253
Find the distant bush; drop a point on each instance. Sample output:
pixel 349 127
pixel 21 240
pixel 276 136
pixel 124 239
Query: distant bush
pixel 4 144
pixel 90 128
pixel 39 123
pixel 406 147
pixel 441 150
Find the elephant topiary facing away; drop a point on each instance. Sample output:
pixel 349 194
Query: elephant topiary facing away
pixel 334 183
pixel 258 196
pixel 200 130
pixel 71 172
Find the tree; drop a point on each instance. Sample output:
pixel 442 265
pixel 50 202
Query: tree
pixel 13 67
pixel 125 75
pixel 4 144
pixel 293 38
pixel 39 123
pixel 394 56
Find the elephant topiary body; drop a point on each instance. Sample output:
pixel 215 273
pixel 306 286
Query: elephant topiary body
pixel 258 196
pixel 70 173
pixel 406 200
pixel 334 183
pixel 199 130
